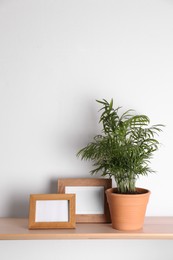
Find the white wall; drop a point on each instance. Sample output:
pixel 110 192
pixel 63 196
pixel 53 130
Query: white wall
pixel 56 58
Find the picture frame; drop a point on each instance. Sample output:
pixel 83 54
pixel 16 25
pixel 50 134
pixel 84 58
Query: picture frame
pixel 91 202
pixel 47 211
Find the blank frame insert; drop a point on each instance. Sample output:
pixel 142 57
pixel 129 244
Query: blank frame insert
pixel 91 202
pixel 52 211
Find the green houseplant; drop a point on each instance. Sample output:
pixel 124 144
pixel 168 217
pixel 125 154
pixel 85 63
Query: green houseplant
pixel 123 151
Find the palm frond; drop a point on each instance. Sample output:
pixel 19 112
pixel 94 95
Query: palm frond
pixel 125 147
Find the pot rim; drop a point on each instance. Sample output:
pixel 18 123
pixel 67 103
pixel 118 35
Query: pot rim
pixel 145 192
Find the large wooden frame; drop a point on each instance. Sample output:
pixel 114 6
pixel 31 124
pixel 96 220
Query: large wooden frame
pixel 38 211
pixel 88 182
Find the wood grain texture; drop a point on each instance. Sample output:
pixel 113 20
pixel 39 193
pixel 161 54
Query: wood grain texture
pixel 154 228
pixel 47 225
pixel 89 218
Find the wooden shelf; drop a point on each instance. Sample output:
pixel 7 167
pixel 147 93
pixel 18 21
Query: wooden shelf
pixel 154 228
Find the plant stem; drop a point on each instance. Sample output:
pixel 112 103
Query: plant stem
pixel 126 185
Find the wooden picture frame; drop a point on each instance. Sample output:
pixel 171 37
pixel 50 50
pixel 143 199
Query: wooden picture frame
pixel 95 188
pixel 52 211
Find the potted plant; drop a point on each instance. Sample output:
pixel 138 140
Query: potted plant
pixel 123 151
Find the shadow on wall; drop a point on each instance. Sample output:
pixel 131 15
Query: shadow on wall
pixel 18 206
pixel 18 202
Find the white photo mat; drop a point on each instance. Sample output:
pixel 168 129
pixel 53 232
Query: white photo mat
pixel 51 211
pixel 89 199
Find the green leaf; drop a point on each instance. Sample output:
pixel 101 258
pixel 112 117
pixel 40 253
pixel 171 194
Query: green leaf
pixel 125 147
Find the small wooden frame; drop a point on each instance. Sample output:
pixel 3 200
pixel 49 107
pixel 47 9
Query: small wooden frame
pixel 52 211
pixel 91 202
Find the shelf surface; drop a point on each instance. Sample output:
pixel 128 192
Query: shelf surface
pixel 154 228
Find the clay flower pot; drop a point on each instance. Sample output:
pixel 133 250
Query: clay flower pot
pixel 127 210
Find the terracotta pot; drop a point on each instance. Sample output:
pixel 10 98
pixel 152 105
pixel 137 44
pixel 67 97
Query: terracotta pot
pixel 127 210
